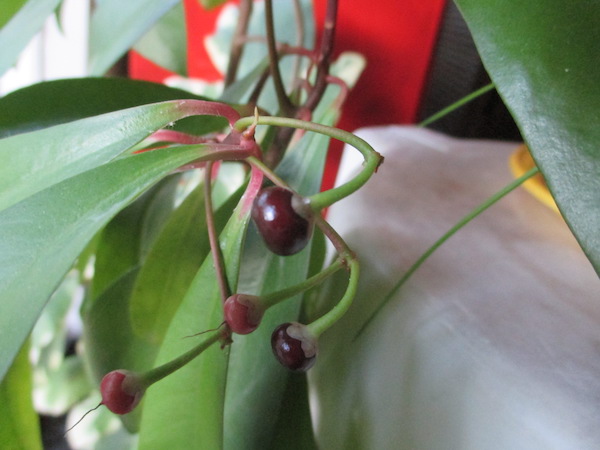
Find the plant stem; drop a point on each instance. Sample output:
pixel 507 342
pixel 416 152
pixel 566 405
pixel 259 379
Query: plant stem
pixel 461 223
pixel 324 322
pixel 238 42
pixel 213 239
pixel 325 54
pixel 284 102
pixel 158 373
pixel 457 104
pixel 273 298
pixel 324 199
pixel 267 172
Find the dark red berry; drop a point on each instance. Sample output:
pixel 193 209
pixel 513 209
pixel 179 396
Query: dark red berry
pixel 120 391
pixel 294 346
pixel 243 313
pixel 284 231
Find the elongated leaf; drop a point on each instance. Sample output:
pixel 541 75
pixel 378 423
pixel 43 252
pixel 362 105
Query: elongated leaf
pixel 117 25
pixel 193 397
pixel 171 265
pixel 19 424
pixel 41 236
pixel 121 243
pixel 17 33
pixel 34 161
pixel 543 58
pixel 54 102
pixel 165 43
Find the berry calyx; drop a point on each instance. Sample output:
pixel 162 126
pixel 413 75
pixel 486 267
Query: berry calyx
pixel 121 391
pixel 243 313
pixel 284 231
pixel 294 346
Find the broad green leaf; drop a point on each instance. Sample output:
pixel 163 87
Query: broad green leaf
pixel 543 58
pixel 169 269
pixel 117 25
pixel 294 430
pixel 171 265
pixel 19 423
pixel 9 9
pixel 54 102
pixel 34 161
pixel 121 243
pixel 41 236
pixel 165 43
pixel 21 27
pixel 192 397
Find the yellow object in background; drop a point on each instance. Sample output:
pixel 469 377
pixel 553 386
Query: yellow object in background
pixel 520 162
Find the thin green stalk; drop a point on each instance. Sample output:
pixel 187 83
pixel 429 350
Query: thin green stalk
pixel 461 223
pixel 457 104
pixel 160 372
pixel 275 297
pixel 324 199
pixel 327 320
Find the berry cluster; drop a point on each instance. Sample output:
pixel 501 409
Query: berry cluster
pixel 285 220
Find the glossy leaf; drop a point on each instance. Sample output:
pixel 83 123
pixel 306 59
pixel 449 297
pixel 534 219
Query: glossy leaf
pixel 41 236
pixel 55 102
pixel 121 244
pixel 543 58
pixel 193 396
pixel 22 26
pixel 34 161
pixel 165 43
pixel 117 25
pixel 170 267
pixel 19 423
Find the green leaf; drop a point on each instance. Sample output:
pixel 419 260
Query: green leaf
pixel 22 26
pixel 34 161
pixel 542 57
pixel 121 244
pixel 171 265
pixel 165 43
pixel 117 25
pixel 169 269
pixel 56 102
pixel 19 424
pixel 9 9
pixel 41 236
pixel 192 397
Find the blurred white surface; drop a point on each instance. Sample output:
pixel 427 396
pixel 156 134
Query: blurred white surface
pixel 494 343
pixel 58 51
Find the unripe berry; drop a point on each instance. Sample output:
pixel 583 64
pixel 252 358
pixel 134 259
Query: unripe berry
pixel 121 391
pixel 243 313
pixel 284 231
pixel 294 346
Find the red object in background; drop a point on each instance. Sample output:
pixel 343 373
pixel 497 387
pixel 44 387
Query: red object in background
pixel 396 37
